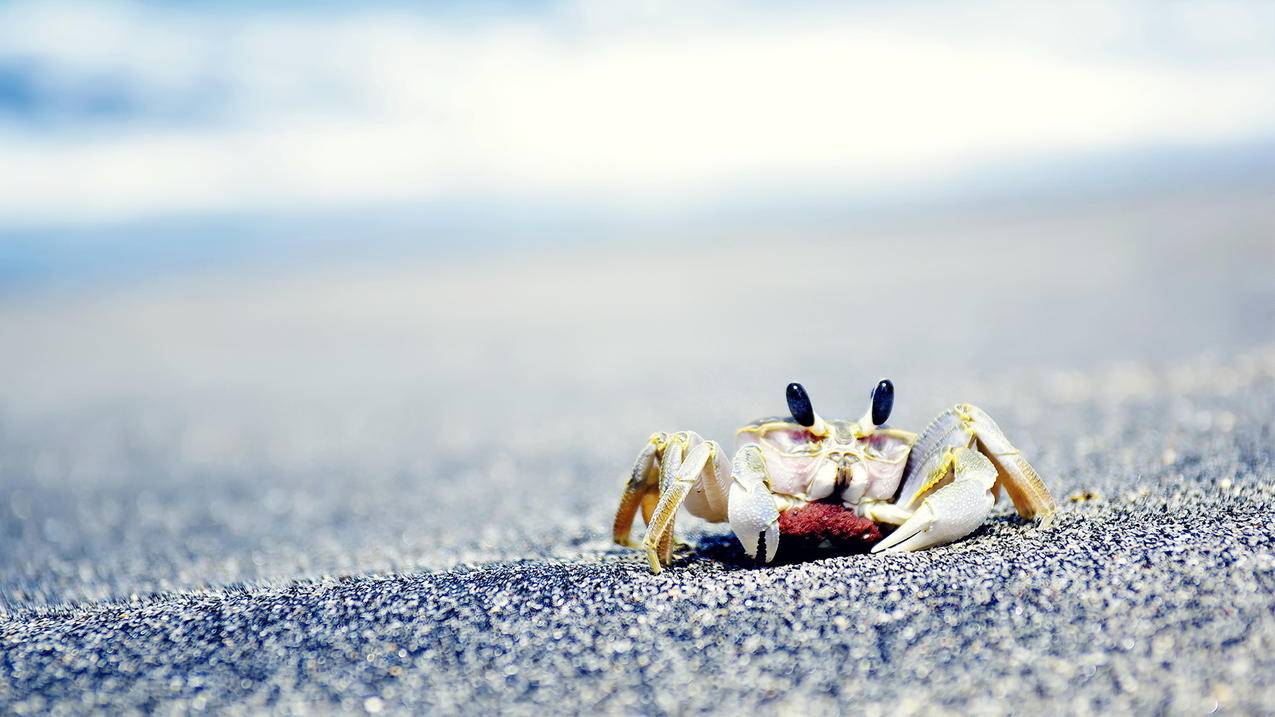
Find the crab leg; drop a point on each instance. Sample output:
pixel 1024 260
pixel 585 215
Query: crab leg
pixel 752 511
pixel 671 470
pixel 1025 488
pixel 678 476
pixel 956 509
pixel 639 492
pixel 967 426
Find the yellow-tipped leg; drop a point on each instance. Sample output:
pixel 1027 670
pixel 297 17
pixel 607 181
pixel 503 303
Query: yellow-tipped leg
pixel 640 491
pixel 677 477
pixel 1018 478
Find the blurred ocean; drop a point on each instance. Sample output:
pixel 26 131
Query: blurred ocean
pixel 153 139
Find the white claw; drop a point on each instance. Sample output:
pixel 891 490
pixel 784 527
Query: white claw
pixel 751 508
pixel 753 516
pixel 951 512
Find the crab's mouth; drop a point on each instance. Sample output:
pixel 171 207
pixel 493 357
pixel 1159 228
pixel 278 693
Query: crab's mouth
pixel 826 525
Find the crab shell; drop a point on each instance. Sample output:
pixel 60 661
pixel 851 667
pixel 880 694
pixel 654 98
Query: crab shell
pixel 810 469
pixel 825 479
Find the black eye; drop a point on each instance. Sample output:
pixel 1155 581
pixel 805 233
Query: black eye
pixel 882 401
pixel 799 405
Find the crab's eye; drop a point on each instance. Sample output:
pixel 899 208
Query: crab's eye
pixel 799 405
pixel 882 401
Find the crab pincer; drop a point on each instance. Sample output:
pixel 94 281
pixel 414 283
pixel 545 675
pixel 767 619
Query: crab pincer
pixel 953 510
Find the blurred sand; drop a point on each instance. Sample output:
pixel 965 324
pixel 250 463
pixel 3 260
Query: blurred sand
pixel 408 426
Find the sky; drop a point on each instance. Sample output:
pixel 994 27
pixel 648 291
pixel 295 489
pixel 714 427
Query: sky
pixel 144 132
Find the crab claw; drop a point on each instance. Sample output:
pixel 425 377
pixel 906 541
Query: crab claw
pixel 951 512
pixel 751 508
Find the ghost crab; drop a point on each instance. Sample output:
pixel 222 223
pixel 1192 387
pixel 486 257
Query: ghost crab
pixel 934 488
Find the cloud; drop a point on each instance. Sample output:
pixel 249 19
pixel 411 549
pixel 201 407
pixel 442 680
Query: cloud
pixel 233 110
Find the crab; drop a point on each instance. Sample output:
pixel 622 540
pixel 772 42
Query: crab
pixel 837 475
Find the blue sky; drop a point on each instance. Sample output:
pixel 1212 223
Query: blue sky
pixel 166 134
